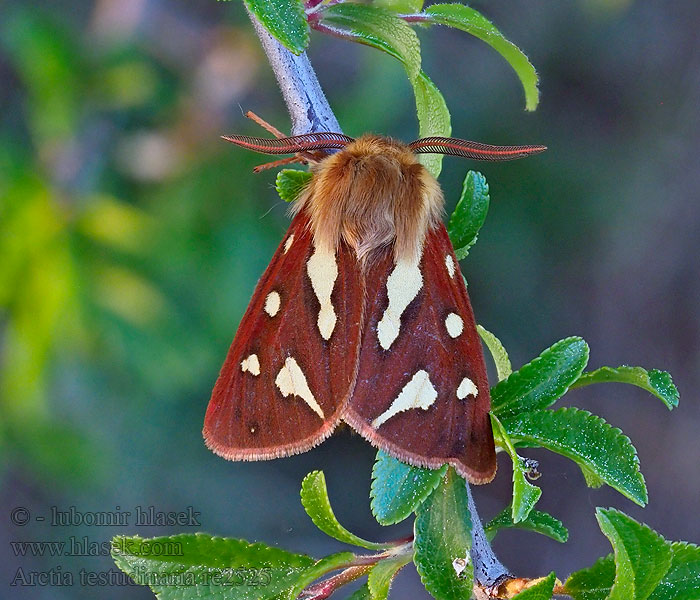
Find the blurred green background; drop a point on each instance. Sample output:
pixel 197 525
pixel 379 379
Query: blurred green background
pixel 131 238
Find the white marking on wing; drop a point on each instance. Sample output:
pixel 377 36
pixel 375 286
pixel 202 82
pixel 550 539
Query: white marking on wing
pixel 402 286
pixel 292 381
pixel 417 393
pixel 454 325
pixel 450 264
pixel 251 364
pixel 288 243
pixel 323 271
pixel 272 303
pixel 466 388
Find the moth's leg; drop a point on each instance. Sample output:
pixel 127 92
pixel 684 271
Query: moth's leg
pixel 297 158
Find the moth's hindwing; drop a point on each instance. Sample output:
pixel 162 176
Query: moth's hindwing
pixel 422 393
pixel 290 369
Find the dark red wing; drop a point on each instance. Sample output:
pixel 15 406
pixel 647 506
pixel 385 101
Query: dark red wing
pixel 288 375
pixel 421 393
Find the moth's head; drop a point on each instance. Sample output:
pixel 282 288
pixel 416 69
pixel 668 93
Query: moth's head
pixel 381 166
pixel 370 147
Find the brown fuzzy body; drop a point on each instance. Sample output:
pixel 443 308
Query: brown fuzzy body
pixel 372 194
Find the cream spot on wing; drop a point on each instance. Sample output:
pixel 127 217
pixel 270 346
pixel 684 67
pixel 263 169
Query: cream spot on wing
pixel 251 364
pixel 323 271
pixel 291 381
pixel 450 264
pixel 272 303
pixel 466 388
pixel 417 393
pixel 454 325
pixel 288 243
pixel 402 286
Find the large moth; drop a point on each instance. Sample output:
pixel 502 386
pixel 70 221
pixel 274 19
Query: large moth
pixel 362 316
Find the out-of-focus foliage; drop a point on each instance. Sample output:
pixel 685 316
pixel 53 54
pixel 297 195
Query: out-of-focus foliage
pixel 131 239
pixel 115 229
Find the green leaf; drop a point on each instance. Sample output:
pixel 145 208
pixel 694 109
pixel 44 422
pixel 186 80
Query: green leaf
pixel 469 214
pixel 525 495
pixel 469 20
pixel 443 540
pixel 592 480
pixel 400 6
pixel 593 583
pixel 587 440
pixel 642 556
pixel 314 499
pixel 379 28
pixel 291 182
pixel 433 118
pixel 543 381
pixel 383 573
pixel 285 20
pixel 682 581
pixel 542 590
pixel 653 381
pixel 399 489
pixel 193 566
pixel 537 521
pixel 333 562
pixel 498 352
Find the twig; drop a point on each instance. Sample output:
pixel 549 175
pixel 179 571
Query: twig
pixel 489 572
pixel 310 112
pixel 305 100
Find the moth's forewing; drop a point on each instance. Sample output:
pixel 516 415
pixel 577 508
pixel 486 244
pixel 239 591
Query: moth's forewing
pixel 422 394
pixel 283 386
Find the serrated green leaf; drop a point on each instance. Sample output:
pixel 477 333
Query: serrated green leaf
pixel 543 381
pixel 682 580
pixel 587 440
pixel 469 20
pixel 433 118
pixel 379 28
pixel 400 6
pixel 399 489
pixel 314 499
pixel 383 573
pixel 193 566
pixel 498 352
pixel 642 556
pixel 327 564
pixel 537 521
pixel 593 583
pixel 658 383
pixel 525 495
pixel 469 214
pixel 443 540
pixel 291 182
pixel 542 590
pixel 285 20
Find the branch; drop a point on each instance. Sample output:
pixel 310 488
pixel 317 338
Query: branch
pixel 305 100
pixel 310 112
pixel 489 572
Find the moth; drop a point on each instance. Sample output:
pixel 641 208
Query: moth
pixel 362 316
